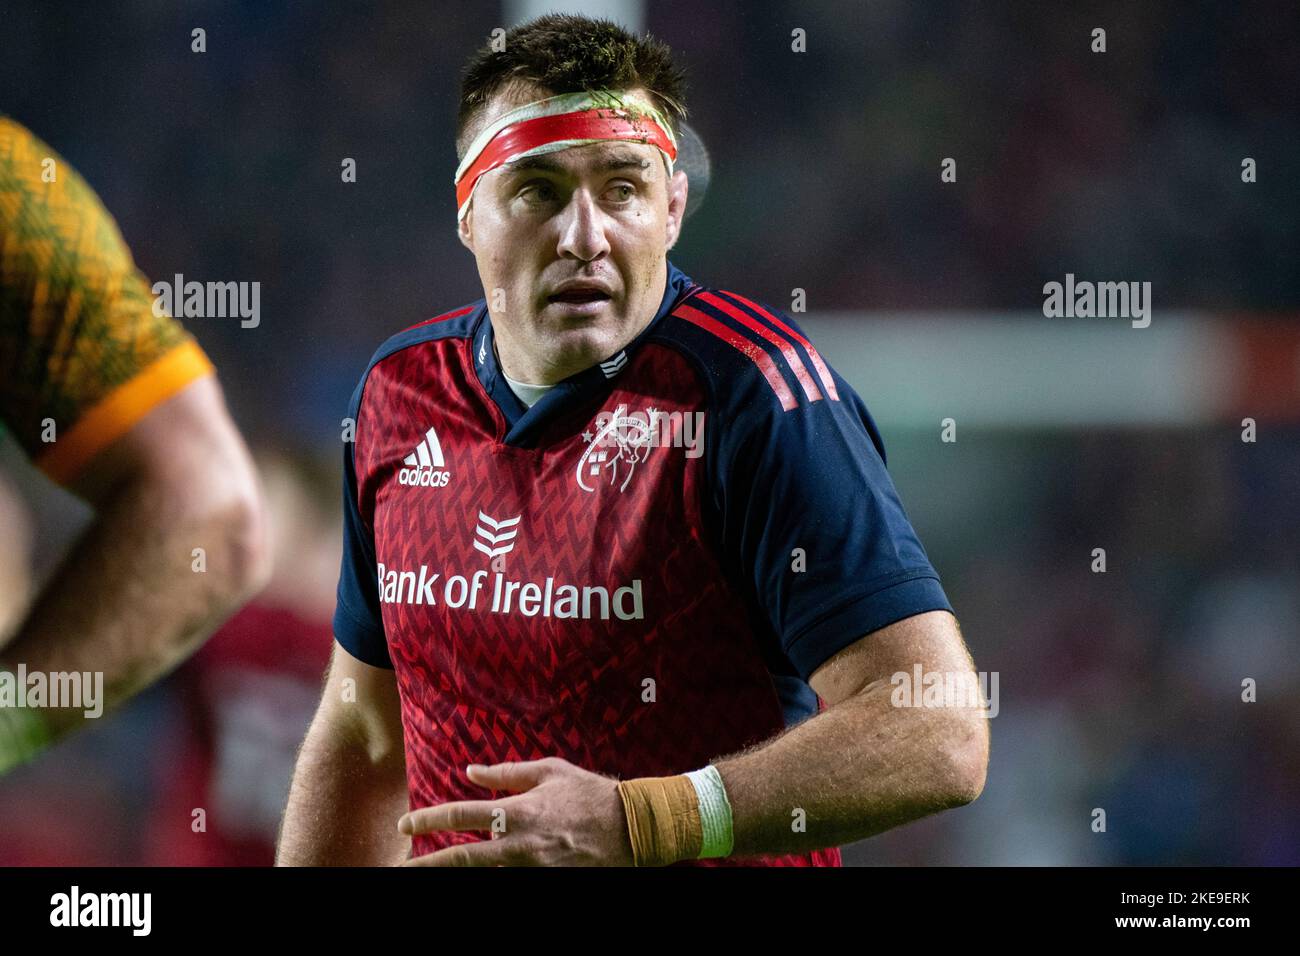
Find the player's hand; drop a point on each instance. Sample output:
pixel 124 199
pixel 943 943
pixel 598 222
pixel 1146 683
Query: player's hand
pixel 562 816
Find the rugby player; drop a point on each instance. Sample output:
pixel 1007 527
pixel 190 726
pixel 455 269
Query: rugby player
pixel 570 628
pixel 120 406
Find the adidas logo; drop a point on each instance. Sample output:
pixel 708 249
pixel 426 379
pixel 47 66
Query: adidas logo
pixel 612 367
pixel 498 537
pixel 425 466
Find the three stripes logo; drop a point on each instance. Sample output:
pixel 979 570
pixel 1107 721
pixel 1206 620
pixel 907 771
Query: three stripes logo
pixel 425 466
pixel 496 537
pixel 752 330
pixel 612 367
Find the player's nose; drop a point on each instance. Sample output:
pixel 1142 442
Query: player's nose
pixel 582 228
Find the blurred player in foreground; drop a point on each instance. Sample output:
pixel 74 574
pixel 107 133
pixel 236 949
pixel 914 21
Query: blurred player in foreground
pixel 607 524
pixel 121 407
pixel 248 695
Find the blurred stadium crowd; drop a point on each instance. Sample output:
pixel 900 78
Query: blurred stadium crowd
pixel 1118 691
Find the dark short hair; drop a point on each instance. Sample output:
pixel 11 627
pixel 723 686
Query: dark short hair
pixel 566 53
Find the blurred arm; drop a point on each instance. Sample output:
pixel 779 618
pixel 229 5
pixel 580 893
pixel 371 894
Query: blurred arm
pixel 127 602
pixel 349 786
pixel 15 557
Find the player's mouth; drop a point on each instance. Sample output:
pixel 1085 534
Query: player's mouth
pixel 579 297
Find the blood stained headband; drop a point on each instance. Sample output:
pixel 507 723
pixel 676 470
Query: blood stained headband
pixel 559 122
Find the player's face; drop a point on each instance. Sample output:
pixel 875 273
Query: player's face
pixel 571 249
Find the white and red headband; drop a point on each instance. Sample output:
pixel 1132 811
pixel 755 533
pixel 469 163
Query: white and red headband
pixel 558 122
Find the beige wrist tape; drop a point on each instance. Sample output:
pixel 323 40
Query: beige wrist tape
pixel 663 819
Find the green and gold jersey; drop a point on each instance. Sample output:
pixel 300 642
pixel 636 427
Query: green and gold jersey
pixel 83 357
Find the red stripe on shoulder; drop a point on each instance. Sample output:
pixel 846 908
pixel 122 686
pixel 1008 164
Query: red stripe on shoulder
pixel 440 318
pixel 787 350
pixel 751 350
pixel 822 371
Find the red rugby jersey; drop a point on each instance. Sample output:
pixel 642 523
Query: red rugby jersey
pixel 640 572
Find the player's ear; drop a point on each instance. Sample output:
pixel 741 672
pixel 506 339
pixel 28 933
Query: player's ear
pixel 677 190
pixel 463 231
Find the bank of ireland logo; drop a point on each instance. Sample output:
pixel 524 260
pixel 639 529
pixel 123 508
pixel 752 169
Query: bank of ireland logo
pixel 611 367
pixel 622 443
pixel 496 592
pixel 425 466
pixel 495 537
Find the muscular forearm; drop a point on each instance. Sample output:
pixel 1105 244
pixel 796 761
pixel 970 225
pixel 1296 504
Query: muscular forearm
pixel 854 770
pixel 130 603
pixel 344 803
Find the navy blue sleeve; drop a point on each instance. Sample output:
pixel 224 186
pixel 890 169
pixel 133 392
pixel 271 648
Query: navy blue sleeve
pixel 358 626
pixel 810 516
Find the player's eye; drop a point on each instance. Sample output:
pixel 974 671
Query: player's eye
pixel 621 192
pixel 539 190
